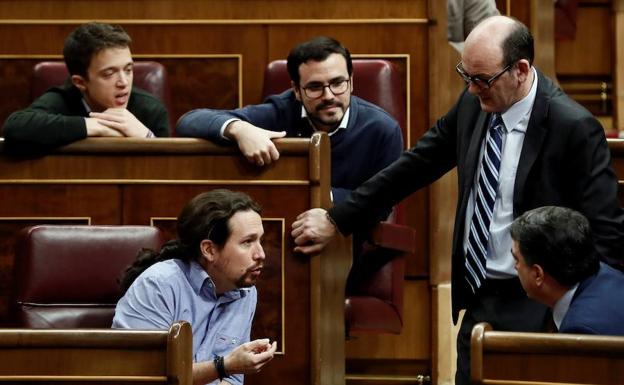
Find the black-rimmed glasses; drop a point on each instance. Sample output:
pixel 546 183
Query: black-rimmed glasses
pixel 316 90
pixel 477 80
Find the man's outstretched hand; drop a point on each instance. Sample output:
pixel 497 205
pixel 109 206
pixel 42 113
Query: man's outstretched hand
pixel 312 231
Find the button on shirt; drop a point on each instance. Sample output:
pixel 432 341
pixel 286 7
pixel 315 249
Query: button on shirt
pixel 174 290
pixel 500 262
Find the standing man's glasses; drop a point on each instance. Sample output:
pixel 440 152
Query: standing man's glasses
pixel 478 80
pixel 316 90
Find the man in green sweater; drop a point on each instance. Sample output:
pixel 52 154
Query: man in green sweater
pixel 97 100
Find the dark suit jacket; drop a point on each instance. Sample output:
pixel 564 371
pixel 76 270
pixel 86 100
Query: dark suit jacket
pixel 564 161
pixel 598 305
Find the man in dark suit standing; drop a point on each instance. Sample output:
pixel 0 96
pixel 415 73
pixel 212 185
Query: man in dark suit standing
pixel 558 265
pixel 518 143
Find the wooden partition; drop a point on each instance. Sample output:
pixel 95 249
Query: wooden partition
pixel 513 358
pixel 70 356
pixel 138 181
pixel 215 52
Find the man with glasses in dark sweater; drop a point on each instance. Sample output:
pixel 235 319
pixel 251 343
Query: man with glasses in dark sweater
pixel 364 138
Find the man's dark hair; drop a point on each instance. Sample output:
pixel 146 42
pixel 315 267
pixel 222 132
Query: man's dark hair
pixel 518 45
pixel 89 39
pixel 205 217
pixel 317 49
pixel 558 239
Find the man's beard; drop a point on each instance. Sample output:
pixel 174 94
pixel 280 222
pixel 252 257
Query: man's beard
pixel 247 279
pixel 315 117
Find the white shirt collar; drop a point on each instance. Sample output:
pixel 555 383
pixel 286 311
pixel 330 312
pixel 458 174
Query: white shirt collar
pixel 342 125
pixel 86 106
pixel 562 305
pixel 517 116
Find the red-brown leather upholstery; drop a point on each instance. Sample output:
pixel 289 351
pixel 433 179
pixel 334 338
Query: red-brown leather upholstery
pixel 375 303
pixel 66 276
pixel 148 75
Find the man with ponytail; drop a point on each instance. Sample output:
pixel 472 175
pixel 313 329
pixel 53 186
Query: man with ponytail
pixel 205 277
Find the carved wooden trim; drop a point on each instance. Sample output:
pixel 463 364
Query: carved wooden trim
pixel 214 21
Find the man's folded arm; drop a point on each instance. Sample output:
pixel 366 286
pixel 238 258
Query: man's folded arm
pixel 40 129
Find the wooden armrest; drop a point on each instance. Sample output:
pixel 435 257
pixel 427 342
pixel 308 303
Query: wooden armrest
pixel 393 236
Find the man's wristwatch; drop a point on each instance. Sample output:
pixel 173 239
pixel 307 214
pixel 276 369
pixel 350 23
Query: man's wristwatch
pixel 220 366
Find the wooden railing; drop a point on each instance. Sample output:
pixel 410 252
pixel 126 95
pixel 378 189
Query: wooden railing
pixel 512 358
pixel 97 356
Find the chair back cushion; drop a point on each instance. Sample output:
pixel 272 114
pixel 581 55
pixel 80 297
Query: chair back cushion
pixel 374 80
pixel 66 276
pixel 148 75
pixel 374 298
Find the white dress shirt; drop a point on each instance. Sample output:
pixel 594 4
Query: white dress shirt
pixel 500 262
pixel 562 305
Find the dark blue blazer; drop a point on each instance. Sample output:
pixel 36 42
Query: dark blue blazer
pixel 598 305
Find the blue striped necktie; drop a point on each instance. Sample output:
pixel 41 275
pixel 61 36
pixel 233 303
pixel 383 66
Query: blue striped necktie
pixel 485 196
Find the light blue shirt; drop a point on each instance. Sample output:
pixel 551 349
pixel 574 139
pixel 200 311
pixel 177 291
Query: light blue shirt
pixel 173 290
pixel 500 262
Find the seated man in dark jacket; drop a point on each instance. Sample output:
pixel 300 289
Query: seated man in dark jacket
pixel 97 100
pixel 558 265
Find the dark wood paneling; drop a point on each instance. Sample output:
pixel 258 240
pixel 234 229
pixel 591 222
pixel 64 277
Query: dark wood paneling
pixel 221 75
pixel 210 9
pixel 520 9
pixel 590 53
pixel 15 80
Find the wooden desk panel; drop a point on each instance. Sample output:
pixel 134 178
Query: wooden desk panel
pixel 514 358
pixel 79 356
pixel 137 181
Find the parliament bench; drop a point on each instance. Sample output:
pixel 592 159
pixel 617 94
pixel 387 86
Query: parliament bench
pixel 515 358
pixel 97 356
